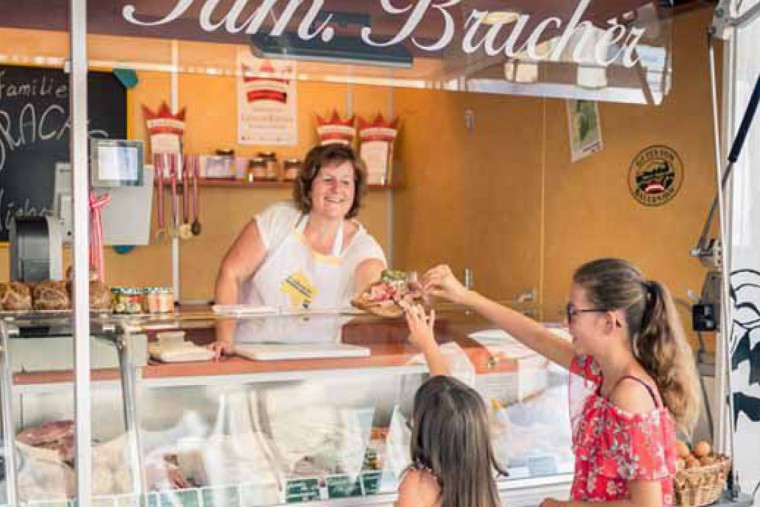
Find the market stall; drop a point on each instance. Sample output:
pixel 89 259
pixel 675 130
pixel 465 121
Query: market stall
pixel 512 142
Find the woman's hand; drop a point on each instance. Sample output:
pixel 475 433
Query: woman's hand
pixel 441 282
pixel 221 348
pixel 420 327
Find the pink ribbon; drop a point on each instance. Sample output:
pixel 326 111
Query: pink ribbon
pixel 96 232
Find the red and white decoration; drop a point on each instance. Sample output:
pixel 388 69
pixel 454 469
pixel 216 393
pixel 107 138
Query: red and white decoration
pixel 377 139
pixel 266 100
pixel 165 128
pixel 96 233
pixel 335 129
pixel 266 87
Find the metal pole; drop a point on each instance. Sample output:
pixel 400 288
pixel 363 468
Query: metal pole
pixel 78 137
pixel 174 91
pixel 131 414
pixel 6 405
pixel 748 17
pixel 723 377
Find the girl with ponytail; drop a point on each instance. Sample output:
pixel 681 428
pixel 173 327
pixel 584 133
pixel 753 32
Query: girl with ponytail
pixel 630 362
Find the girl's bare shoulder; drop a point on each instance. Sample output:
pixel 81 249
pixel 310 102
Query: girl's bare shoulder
pixel 418 488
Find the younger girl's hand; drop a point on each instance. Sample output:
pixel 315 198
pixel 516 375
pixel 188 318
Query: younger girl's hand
pixel 420 327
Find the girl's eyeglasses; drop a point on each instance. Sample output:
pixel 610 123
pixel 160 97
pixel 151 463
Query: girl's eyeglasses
pixel 571 312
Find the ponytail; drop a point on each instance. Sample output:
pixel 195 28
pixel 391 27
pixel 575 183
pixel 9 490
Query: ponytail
pixel 657 337
pixel 661 348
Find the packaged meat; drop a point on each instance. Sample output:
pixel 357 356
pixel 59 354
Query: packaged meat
pixel 112 474
pixel 42 476
pixel 57 436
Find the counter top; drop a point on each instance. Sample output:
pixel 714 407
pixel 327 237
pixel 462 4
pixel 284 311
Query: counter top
pixel 386 338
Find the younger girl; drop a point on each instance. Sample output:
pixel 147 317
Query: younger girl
pixel 452 461
pixel 632 359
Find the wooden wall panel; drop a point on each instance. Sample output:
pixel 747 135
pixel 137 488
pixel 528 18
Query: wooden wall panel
pixel 474 199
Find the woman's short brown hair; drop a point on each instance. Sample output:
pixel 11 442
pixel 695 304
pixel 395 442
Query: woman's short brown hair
pixel 326 156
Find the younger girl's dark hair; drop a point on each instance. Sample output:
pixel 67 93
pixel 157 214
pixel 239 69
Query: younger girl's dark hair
pixel 451 438
pixel 657 337
pixel 325 156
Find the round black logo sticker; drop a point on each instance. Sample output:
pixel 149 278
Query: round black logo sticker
pixel 655 175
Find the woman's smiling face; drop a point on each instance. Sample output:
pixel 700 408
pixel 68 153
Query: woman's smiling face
pixel 332 192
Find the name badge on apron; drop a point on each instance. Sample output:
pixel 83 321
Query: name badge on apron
pixel 299 290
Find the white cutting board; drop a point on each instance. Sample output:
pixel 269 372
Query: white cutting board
pixel 284 351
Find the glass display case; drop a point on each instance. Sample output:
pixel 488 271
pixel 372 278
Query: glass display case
pixel 313 409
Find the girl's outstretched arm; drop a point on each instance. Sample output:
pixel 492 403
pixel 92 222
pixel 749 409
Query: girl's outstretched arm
pixel 440 282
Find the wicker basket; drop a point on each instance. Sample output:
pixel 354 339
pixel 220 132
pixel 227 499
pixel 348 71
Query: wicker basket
pixel 701 485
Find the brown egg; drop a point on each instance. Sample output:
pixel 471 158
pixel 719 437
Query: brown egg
pixel 682 450
pixel 707 460
pixel 702 449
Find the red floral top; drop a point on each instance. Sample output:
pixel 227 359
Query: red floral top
pixel 612 446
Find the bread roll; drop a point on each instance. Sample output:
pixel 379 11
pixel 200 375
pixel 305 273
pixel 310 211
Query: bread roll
pixel 100 295
pixel 388 309
pixel 51 295
pixel 15 296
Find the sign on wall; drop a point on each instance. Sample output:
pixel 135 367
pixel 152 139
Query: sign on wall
pixel 655 175
pixel 585 129
pixel 266 97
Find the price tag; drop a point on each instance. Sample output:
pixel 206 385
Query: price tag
pixel 371 482
pixel 302 490
pixel 342 486
pixel 220 496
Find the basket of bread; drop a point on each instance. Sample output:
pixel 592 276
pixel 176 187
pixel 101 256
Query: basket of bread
pixel 701 474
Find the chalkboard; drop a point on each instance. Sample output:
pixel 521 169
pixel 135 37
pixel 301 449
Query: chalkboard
pixel 34 132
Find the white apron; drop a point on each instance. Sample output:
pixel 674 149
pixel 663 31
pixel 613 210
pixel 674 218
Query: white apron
pixel 294 277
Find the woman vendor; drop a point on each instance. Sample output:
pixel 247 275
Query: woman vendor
pixel 306 254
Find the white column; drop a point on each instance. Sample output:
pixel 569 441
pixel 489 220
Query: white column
pixel 81 229
pixel 744 253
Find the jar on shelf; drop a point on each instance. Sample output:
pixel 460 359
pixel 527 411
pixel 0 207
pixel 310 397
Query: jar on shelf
pixel 291 166
pixel 159 300
pixel 257 169
pixel 127 300
pixel 272 167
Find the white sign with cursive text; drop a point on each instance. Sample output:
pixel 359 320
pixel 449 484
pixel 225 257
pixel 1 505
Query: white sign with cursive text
pixel 475 31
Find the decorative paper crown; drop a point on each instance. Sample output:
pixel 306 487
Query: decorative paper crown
pixel 335 130
pixel 377 130
pixel 163 121
pixel 265 85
